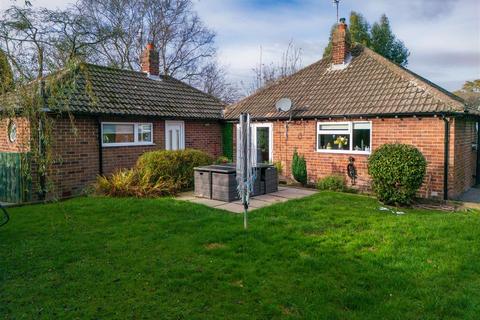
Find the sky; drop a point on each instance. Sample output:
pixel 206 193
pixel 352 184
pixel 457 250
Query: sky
pixel 443 36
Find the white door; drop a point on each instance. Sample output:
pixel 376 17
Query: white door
pixel 174 135
pixel 262 138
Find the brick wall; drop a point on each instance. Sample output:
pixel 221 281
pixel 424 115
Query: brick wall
pixel 23 135
pixel 206 136
pixel 427 134
pixel 464 157
pixel 76 150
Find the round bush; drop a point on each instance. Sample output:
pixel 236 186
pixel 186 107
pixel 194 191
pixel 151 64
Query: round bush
pixel 397 171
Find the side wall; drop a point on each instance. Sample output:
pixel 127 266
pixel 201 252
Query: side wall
pixel 76 148
pixel 23 135
pixel 464 157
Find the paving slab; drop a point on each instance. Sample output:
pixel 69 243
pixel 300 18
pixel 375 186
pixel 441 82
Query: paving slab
pixel 283 194
pixel 187 196
pixel 270 198
pixel 208 202
pixel 472 195
pixel 232 207
pixel 293 193
pixel 255 203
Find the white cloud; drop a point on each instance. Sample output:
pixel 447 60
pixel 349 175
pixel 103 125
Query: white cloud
pixel 51 4
pixel 443 35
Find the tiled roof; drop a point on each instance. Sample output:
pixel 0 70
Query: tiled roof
pixel 123 92
pixel 370 85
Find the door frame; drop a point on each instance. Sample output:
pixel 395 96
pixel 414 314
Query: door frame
pixel 268 125
pixel 182 133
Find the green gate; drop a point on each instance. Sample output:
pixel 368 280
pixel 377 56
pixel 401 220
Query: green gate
pixel 14 183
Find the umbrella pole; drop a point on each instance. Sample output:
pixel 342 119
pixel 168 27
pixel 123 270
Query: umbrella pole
pixel 245 211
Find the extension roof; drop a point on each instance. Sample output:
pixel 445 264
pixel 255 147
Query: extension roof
pixel 370 85
pixel 107 91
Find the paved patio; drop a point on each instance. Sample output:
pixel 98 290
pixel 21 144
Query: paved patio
pixel 283 194
pixel 472 195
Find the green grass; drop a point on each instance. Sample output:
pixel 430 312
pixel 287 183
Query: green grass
pixel 329 256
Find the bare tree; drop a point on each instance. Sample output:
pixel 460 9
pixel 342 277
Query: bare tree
pixel 186 45
pixel 23 38
pixel 126 20
pixel 265 74
pixel 214 81
pixel 72 36
pixel 114 33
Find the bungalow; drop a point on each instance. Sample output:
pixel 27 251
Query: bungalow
pixel 350 104
pixel 133 112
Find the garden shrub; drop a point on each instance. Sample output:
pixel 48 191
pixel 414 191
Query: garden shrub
pixel 222 160
pixel 156 173
pixel 334 182
pixel 279 166
pixel 397 171
pixel 299 168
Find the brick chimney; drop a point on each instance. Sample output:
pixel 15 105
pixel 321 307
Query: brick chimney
pixel 149 61
pixel 340 43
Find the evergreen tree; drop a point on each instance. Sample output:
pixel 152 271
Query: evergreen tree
pixel 379 38
pixel 328 49
pixel 6 74
pixel 359 29
pixel 384 42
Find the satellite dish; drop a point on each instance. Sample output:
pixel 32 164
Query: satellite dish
pixel 284 104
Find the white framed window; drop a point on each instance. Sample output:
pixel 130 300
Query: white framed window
pixel 117 134
pixel 174 135
pixel 344 137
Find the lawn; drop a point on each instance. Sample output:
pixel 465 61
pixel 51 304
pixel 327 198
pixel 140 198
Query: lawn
pixel 329 256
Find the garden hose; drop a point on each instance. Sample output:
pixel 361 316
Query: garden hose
pixel 6 216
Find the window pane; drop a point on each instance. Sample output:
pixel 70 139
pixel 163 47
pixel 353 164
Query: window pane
pixel 144 133
pixel 333 126
pixel 361 136
pixel 118 133
pixel 263 145
pixel 333 141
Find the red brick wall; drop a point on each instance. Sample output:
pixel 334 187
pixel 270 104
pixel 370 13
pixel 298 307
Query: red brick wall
pixel 427 134
pixel 464 158
pixel 23 136
pixel 206 136
pixel 76 150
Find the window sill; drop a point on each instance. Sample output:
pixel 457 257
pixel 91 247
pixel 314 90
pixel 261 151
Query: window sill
pixel 116 145
pixel 333 151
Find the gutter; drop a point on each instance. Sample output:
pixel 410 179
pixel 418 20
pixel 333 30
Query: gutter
pixel 446 156
pixel 100 148
pixel 347 116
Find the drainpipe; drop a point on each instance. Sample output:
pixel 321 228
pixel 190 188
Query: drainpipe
pixel 41 152
pixel 100 149
pixel 446 156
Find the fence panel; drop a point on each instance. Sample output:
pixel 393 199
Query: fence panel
pixel 14 184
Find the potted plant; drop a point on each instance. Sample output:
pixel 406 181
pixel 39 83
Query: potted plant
pixel 341 141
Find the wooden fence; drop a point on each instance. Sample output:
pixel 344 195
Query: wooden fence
pixel 15 186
